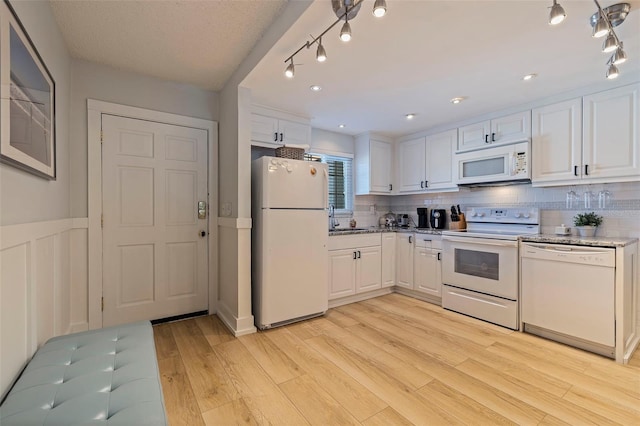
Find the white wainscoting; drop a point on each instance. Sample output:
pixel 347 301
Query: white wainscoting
pixel 40 296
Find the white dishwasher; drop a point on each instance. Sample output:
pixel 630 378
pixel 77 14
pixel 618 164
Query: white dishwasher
pixel 568 294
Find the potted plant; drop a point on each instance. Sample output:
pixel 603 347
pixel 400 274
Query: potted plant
pixel 586 223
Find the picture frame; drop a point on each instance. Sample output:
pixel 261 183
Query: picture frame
pixel 27 101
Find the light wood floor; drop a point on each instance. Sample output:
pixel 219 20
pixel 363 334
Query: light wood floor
pixel 391 360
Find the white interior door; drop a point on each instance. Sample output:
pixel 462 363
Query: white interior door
pixel 154 253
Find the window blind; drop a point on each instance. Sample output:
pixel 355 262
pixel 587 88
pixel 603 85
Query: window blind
pixel 340 179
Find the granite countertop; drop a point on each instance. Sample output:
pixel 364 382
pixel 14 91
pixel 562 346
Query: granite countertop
pixel 579 241
pixel 374 229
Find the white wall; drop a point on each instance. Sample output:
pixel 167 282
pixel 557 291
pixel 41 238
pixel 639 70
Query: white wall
pixel 35 224
pixel 24 197
pixel 100 82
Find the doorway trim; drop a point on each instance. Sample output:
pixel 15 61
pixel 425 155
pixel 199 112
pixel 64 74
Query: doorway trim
pixel 95 109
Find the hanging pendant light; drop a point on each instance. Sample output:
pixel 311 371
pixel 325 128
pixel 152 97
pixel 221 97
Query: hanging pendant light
pixel 600 29
pixel 557 14
pixel 379 8
pixel 610 43
pixel 612 72
pixel 321 54
pixel 345 32
pixel 619 56
pixel 290 71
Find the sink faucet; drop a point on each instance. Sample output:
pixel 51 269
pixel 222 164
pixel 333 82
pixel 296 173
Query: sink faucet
pixel 332 217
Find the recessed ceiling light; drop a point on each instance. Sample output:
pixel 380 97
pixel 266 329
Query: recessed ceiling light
pixel 342 126
pixel 410 116
pixel 529 76
pixel 315 88
pixel 457 100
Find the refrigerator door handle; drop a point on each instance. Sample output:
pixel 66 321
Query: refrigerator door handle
pixel 326 188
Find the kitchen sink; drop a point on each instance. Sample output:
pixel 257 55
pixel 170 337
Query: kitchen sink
pixel 347 230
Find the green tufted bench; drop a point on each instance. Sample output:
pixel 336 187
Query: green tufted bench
pixel 99 377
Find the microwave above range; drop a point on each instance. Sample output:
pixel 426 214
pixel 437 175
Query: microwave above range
pixel 500 165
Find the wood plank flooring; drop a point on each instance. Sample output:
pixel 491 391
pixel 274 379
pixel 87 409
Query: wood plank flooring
pixel 391 360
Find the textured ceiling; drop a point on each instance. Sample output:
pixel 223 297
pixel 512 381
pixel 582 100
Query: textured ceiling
pixel 425 52
pixel 197 42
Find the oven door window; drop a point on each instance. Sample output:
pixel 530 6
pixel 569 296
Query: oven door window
pixel 477 263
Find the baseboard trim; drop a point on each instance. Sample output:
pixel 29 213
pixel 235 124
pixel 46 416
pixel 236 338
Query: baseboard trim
pixel 237 326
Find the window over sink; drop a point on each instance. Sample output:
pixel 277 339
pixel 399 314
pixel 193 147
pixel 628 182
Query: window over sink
pixel 340 180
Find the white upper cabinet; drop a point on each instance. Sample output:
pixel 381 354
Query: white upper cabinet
pixel 272 131
pixel 611 145
pixel 594 139
pixel 499 131
pixel 411 156
pixel 426 164
pixel 556 144
pixel 373 160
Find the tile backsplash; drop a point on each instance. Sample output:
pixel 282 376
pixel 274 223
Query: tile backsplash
pixel 621 213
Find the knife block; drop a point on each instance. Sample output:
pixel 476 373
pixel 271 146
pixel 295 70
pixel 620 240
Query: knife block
pixel 461 224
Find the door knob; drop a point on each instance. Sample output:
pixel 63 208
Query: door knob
pixel 203 234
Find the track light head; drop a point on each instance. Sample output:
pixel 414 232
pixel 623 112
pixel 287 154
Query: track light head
pixel 619 56
pixel 612 72
pixel 321 54
pixel 557 14
pixel 610 43
pixel 379 8
pixel 600 29
pixel 345 32
pixel 290 71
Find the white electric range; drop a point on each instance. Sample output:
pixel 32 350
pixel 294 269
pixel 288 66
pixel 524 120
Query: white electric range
pixel 480 264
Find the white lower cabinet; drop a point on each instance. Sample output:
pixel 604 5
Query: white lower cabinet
pixel 427 271
pixel 388 259
pixel 354 264
pixel 404 263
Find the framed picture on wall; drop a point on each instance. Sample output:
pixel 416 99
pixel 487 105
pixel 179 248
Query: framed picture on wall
pixel 27 101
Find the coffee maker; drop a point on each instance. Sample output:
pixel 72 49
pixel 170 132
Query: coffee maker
pixel 423 217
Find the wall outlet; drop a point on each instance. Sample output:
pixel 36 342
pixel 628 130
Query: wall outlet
pixel 428 202
pixel 372 209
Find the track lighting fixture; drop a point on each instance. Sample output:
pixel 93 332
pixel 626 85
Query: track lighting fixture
pixel 379 8
pixel 345 10
pixel 619 56
pixel 290 71
pixel 610 43
pixel 557 14
pixel 321 54
pixel 603 22
pixel 345 32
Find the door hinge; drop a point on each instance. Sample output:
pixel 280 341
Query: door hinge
pixel 101 136
pixel 101 221
pixel 102 304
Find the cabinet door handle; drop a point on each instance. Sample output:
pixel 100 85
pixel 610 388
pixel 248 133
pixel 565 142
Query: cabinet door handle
pixel 359 254
pixel 421 184
pixel 493 137
pixel 575 170
pixel 281 138
pixel 586 169
pixel 275 137
pixel 390 187
pixel 409 239
pixel 355 256
pixel 426 183
pixel 486 138
pixel 439 256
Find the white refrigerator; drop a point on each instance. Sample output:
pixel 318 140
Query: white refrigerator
pixel 289 265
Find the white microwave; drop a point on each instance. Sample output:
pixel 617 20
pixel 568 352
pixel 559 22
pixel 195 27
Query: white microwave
pixel 497 165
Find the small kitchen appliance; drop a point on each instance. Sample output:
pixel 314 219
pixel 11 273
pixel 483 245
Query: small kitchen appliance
pixel 403 220
pixel 423 217
pixel 438 218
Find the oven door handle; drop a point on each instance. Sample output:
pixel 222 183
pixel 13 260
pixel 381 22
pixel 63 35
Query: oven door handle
pixel 480 241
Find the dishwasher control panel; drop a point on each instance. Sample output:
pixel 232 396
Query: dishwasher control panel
pixel 596 256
